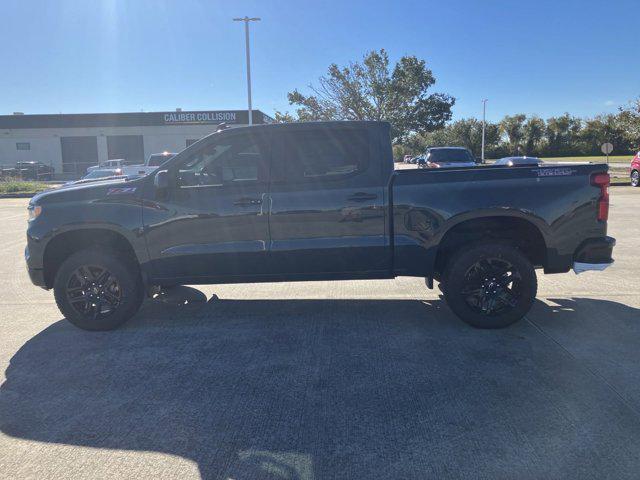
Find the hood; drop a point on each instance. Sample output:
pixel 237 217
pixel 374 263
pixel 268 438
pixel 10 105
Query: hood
pixel 95 189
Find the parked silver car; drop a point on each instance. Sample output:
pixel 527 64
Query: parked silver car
pixel 519 161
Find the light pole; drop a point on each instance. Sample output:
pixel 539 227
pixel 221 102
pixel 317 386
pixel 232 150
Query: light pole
pixel 484 116
pixel 246 21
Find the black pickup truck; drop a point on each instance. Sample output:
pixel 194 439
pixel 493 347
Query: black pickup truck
pixel 316 201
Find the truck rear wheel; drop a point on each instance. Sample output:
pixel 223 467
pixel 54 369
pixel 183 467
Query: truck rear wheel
pixel 490 285
pixel 95 290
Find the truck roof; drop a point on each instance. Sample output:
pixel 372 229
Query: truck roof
pixel 325 124
pixel 447 148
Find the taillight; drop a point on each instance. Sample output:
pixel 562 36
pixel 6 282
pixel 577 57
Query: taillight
pixel 602 180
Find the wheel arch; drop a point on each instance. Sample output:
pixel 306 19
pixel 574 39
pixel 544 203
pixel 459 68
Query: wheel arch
pixel 64 244
pixel 515 230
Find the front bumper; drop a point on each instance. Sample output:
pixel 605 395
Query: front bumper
pixel 594 254
pixel 36 275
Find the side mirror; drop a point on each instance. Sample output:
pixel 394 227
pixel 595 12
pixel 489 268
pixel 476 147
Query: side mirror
pixel 161 180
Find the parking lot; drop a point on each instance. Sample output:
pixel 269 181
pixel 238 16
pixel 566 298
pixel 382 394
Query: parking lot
pixel 359 379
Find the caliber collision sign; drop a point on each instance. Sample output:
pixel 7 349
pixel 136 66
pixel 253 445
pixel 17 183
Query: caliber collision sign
pixel 174 118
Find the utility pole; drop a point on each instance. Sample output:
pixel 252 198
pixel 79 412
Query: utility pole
pixel 246 21
pixel 484 121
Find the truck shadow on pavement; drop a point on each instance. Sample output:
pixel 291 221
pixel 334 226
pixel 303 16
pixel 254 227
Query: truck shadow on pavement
pixel 301 389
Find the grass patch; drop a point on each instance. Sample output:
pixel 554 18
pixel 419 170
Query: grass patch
pixel 595 159
pixel 12 185
pixel 617 178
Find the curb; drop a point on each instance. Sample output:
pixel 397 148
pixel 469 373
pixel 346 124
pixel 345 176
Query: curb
pixel 17 195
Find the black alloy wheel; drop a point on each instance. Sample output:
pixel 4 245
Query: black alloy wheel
pixel 93 291
pixel 98 288
pixel 491 286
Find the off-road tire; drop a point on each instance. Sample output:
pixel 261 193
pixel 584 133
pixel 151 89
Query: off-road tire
pixel 130 289
pixel 462 267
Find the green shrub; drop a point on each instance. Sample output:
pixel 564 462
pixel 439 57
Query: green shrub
pixel 14 185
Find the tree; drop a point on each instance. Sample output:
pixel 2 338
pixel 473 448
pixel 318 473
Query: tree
pixel 600 129
pixel 533 134
pixel 629 120
pixel 466 132
pixel 370 90
pixel 562 134
pixel 286 117
pixel 512 126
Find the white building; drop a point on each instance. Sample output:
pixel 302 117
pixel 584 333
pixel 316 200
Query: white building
pixel 72 142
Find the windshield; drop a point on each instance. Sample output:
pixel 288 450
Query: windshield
pixel 451 155
pixel 158 159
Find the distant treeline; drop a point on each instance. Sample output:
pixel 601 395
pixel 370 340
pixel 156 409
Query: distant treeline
pixel 520 134
pixel 374 89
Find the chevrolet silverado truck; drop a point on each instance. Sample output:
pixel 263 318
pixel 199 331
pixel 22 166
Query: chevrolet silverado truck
pixel 316 201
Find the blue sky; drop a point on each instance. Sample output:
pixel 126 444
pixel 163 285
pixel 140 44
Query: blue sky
pixel 535 57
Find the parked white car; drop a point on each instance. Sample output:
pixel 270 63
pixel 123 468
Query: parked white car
pixel 152 163
pixel 119 167
pixel 108 164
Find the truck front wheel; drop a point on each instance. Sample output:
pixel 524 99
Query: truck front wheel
pixel 490 285
pixel 95 290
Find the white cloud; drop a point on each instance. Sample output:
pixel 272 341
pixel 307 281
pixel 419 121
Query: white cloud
pixel 609 103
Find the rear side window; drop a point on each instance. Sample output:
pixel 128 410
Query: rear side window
pixel 318 155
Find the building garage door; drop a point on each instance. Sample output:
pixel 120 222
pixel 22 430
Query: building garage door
pixel 78 153
pixel 128 147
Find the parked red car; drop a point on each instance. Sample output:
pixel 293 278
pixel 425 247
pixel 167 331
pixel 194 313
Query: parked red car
pixel 634 171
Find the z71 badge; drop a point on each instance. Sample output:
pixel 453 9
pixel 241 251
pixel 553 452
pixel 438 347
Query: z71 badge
pixel 121 190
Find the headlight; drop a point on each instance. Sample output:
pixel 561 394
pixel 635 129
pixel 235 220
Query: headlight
pixel 34 211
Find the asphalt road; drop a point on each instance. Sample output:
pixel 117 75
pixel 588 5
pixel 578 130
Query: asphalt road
pixel 344 380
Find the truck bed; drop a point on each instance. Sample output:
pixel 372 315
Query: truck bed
pixel 556 200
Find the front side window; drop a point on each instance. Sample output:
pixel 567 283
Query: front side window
pixel 319 155
pixel 234 160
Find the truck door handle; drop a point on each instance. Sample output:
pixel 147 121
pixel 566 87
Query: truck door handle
pixel 362 197
pixel 247 202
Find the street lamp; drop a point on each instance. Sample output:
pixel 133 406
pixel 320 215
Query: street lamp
pixel 484 116
pixel 246 21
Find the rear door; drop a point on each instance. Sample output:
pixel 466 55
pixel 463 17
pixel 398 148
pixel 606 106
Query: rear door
pixel 327 202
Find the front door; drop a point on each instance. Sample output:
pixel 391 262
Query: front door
pixel 213 219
